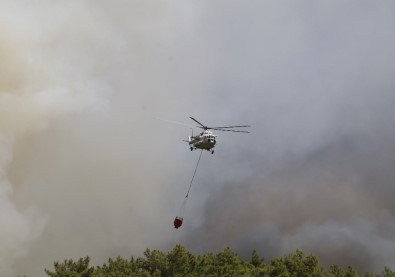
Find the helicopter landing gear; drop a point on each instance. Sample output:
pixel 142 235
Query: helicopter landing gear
pixel 212 151
pixel 191 148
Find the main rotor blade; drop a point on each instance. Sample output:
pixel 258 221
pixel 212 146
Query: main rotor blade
pixel 241 126
pixel 205 127
pixel 229 130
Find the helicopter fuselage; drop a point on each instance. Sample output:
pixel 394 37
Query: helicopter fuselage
pixel 206 140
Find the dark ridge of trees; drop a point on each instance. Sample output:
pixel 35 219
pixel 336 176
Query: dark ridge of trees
pixel 180 262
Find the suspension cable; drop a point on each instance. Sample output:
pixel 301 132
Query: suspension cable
pixel 193 176
pixel 178 220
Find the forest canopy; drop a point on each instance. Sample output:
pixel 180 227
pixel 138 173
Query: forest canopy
pixel 180 262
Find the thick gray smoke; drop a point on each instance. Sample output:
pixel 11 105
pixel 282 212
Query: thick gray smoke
pixel 86 169
pixel 316 83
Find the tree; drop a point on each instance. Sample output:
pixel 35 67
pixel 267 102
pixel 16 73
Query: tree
pixel 388 272
pixel 156 263
pixel 278 268
pixel 351 272
pixel 227 263
pixel 296 265
pixel 69 268
pixel 205 265
pixel 115 268
pixel 256 260
pixel 181 262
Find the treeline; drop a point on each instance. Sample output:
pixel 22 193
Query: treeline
pixel 180 262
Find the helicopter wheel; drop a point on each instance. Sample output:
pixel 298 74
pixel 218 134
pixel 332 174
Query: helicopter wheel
pixel 191 148
pixel 212 151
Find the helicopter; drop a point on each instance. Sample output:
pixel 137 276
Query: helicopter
pixel 207 139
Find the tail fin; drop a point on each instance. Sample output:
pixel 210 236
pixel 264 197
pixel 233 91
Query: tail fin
pixel 190 137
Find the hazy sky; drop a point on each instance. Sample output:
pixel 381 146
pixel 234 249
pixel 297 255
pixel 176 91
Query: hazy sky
pixel 87 169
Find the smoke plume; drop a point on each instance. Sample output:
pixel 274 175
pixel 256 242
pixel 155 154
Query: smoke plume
pixel 86 169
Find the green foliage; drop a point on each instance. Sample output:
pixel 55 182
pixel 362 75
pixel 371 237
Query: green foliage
pixel 69 268
pixel 256 260
pixel 116 268
pixel 156 263
pixel 388 272
pixel 179 262
pixel 296 265
pixel 225 263
pixel 336 271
